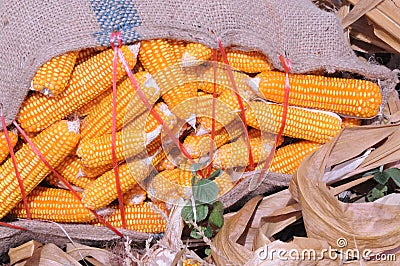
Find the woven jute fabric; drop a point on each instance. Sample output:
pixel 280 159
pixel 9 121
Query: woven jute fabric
pixel 35 31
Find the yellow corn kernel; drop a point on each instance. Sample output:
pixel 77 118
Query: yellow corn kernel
pixel 224 183
pixel 178 47
pixel 301 123
pixel 166 115
pixel 54 204
pixel 103 190
pixel 87 53
pixel 53 76
pixel 350 122
pixel 96 171
pixel 140 217
pixel 248 61
pixel 135 195
pixel 4 146
pixel 170 185
pixel 353 97
pixel 55 143
pixel 236 154
pixel 88 80
pixel 97 152
pixel 90 106
pixel 71 170
pixel 195 54
pixel 129 105
pixel 288 158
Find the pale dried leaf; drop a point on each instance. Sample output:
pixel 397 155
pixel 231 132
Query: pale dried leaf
pixel 226 239
pixel 51 255
pixel 79 251
pixel 23 251
pixel 368 225
pixel 391 199
pixel 340 170
pixel 362 7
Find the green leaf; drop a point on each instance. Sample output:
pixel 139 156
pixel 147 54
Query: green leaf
pixel 195 234
pixel 370 172
pixel 201 212
pixel 207 251
pixel 215 174
pixel 208 231
pixel 205 191
pixel 377 192
pixel 187 213
pixel 217 215
pixel 394 173
pixel 195 167
pixel 381 177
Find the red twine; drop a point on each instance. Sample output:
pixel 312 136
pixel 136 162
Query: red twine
pixel 116 35
pixel 287 65
pixel 240 102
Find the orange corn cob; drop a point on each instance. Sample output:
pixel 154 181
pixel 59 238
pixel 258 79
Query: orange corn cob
pixel 350 122
pixel 195 54
pixel 71 170
pixel 301 123
pixel 3 144
pixel 288 158
pixel 248 61
pixel 179 94
pixel 170 185
pixel 53 204
pixel 235 154
pixel 135 195
pixel 55 143
pixel 167 116
pixel 88 80
pixel 90 106
pixel 96 171
pixel 140 217
pixel 103 190
pixel 99 121
pixel 224 183
pixel 178 47
pixel 353 97
pixel 97 152
pixel 52 77
pixel 87 53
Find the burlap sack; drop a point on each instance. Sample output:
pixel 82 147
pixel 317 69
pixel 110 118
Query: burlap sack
pixel 33 32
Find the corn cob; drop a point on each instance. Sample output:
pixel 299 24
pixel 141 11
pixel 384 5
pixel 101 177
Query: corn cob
pixel 179 94
pixel 190 262
pixel 53 204
pixel 235 154
pixel 53 76
pixel 156 55
pixel 350 122
pixel 170 185
pixel 353 97
pixel 71 170
pixel 90 106
pixel 301 123
pixel 205 124
pixel 55 143
pixel 88 80
pixel 288 158
pixel 103 190
pixel 87 53
pixel 224 183
pixel 96 171
pixel 3 144
pixel 178 47
pixel 99 121
pixel 195 54
pixel 97 152
pixel 248 61
pixel 198 146
pixel 135 195
pixel 141 217
pixel 165 113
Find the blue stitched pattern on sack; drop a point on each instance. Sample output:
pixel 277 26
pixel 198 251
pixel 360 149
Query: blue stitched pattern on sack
pixel 116 15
